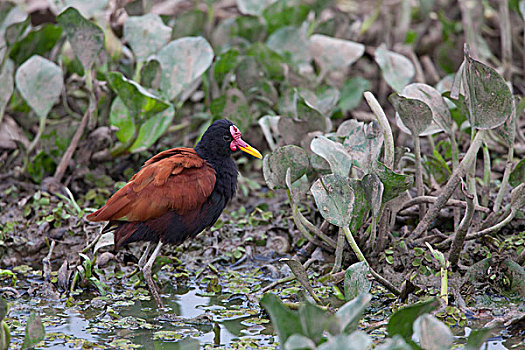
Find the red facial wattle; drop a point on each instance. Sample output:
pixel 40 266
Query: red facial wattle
pixel 238 143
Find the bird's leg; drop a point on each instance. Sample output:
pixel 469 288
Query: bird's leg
pixel 146 271
pixel 144 257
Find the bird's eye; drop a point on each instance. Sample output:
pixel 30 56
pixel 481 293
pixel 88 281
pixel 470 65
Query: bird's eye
pixel 227 138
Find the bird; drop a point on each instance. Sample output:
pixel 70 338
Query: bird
pixel 176 194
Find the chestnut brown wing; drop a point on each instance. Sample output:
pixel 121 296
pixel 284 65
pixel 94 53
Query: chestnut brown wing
pixel 176 179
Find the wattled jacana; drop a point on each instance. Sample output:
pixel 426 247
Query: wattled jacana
pixel 177 194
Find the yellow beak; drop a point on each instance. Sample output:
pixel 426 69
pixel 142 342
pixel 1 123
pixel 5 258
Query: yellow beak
pixel 251 151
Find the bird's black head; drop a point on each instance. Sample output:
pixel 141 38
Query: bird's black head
pixel 221 139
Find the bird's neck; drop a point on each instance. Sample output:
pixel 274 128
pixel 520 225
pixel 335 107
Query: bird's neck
pixel 225 171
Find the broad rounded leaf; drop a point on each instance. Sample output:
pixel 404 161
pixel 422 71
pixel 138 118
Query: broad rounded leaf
pixel 373 192
pixel 350 313
pixel 352 93
pixel 358 340
pixel 276 164
pixel 299 342
pixel 394 183
pixel 285 321
pixel 433 99
pixel 120 117
pixel 334 198
pixel 394 343
pixel 334 54
pixel 432 333
pixel 40 83
pixel 397 70
pixel 136 98
pixel 85 37
pixel 517 176
pixel 488 95
pixel 362 141
pixel 7 86
pixel 146 34
pixel 37 42
pixel 517 197
pixel 151 130
pixel 356 281
pixel 334 153
pixel 415 114
pixel 297 188
pixel 183 61
pixel 88 9
pixel 322 101
pixel 290 42
pixel 402 320
pixel 253 7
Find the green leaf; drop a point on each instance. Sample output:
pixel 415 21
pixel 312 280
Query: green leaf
pixel 40 84
pixel 433 99
pixel 85 37
pixel 276 164
pixel 271 60
pixel 356 341
pixel 7 86
pixel 517 197
pixel 314 321
pixel 356 281
pixel 146 34
pixel 323 100
pixel 299 342
pixel 352 93
pixel 397 70
pixel 135 97
pixel 37 42
pixel 40 165
pixel 402 320
pixel 517 176
pixel 477 338
pixel 183 61
pixel 190 23
pixel 35 331
pixel 333 54
pixel 488 96
pixel 432 333
pixel 362 141
pixel 225 63
pixel 285 13
pixel 394 183
pixel 88 9
pixel 151 130
pixel 373 192
pixel 120 117
pixel 394 343
pixel 292 43
pixel 361 205
pixel 350 313
pixel 415 114
pixel 253 7
pixel 297 188
pixel 285 321
pixel 334 198
pixel 334 153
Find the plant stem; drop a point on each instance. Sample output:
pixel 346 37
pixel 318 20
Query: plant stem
pixel 486 175
pixel 385 125
pixel 494 228
pixel 339 252
pixel 361 257
pixel 138 68
pixel 444 285
pixel 459 238
pixel 419 175
pixel 505 180
pixel 451 185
